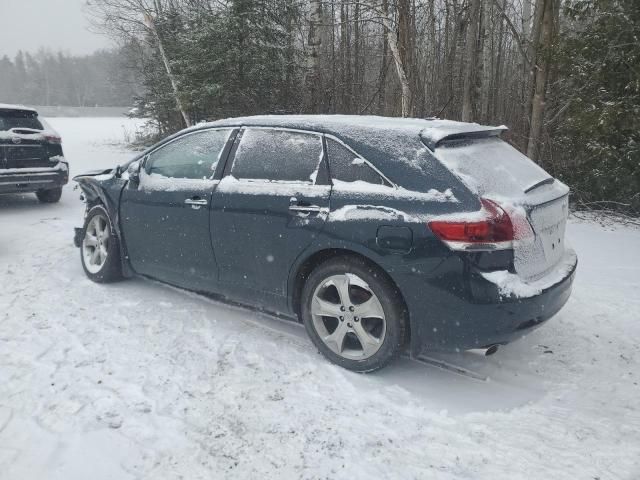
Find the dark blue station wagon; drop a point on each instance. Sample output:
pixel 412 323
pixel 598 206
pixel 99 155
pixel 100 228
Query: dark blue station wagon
pixel 379 234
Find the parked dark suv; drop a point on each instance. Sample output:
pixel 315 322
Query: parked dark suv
pixel 375 232
pixel 31 158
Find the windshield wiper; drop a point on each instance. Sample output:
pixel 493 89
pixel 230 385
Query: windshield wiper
pixel 546 181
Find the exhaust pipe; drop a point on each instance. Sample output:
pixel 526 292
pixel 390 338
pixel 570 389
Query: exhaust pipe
pixel 485 351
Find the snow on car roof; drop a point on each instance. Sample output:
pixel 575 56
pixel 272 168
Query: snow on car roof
pixel 401 148
pixel 7 106
pixel 396 146
pixel 432 130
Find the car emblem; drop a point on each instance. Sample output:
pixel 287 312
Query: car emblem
pixel 16 140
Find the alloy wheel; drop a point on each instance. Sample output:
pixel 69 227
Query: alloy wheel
pixel 348 316
pixel 95 245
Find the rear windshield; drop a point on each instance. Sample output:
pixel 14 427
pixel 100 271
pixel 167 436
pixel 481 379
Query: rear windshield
pixel 17 120
pixel 491 166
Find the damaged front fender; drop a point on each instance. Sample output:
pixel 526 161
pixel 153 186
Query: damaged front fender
pixel 104 187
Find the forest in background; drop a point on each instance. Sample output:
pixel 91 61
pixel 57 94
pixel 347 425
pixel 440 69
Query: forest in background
pixel 102 79
pixel 563 75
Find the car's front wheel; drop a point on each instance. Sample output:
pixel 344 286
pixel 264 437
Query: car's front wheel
pixel 100 250
pixel 51 195
pixel 354 314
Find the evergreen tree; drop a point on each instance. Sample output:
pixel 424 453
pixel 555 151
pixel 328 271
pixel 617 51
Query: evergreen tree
pixel 598 139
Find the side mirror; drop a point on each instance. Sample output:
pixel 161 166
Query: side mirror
pixel 133 171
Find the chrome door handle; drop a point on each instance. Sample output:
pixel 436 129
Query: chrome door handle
pixel 195 203
pixel 305 208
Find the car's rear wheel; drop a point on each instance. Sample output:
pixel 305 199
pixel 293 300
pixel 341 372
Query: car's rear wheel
pixel 354 314
pixel 51 195
pixel 100 251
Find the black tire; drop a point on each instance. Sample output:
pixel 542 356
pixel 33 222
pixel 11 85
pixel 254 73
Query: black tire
pixel 51 195
pixel 395 311
pixel 111 269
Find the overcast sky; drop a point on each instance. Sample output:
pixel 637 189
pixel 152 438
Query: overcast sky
pixel 54 24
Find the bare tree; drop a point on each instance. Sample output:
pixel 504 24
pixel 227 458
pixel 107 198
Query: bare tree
pixel 472 60
pixel 545 41
pixel 401 68
pixel 135 19
pixel 469 62
pixel 149 22
pixel 313 77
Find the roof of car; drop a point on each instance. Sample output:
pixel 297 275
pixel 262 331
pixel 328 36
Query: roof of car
pixel 402 148
pixel 7 106
pixel 431 130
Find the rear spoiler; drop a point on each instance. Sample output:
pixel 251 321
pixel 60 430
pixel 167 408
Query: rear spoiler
pixel 20 111
pixel 434 137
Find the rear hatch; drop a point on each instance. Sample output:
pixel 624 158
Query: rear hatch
pixel 24 141
pixel 495 170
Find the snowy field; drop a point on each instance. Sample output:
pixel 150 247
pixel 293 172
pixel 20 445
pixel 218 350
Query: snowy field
pixel 137 380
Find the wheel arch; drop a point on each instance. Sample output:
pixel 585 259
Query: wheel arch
pixel 304 268
pixel 107 195
pixel 94 194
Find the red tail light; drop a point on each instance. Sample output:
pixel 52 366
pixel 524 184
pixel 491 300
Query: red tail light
pixel 492 229
pixel 53 138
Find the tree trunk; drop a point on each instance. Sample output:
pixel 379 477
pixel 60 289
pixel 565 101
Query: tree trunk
pixel 356 88
pixel 532 54
pixel 383 63
pixel 345 50
pixel 313 79
pixel 400 67
pixel 406 50
pixel 469 62
pixel 485 65
pixel 334 61
pixel 174 85
pixel 526 33
pixel 452 64
pixel 540 80
pixel 497 81
pixel 447 67
pixel 432 82
pixel 290 53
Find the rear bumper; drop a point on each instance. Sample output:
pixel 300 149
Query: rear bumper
pixel 461 310
pixel 18 180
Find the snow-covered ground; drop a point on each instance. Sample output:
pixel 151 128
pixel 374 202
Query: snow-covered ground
pixel 139 380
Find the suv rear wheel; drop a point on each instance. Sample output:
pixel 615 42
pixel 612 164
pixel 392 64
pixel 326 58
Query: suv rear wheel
pixel 100 250
pixel 49 196
pixel 354 314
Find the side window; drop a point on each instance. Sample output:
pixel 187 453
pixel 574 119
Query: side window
pixel 345 166
pixel 277 155
pixel 194 156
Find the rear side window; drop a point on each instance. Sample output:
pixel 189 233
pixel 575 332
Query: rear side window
pixel 491 166
pixel 19 120
pixel 193 156
pixel 277 155
pixel 345 166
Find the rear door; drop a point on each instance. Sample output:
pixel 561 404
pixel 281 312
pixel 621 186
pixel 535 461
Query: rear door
pixel 270 205
pixel 165 218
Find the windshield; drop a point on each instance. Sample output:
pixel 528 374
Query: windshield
pixel 490 166
pixel 19 120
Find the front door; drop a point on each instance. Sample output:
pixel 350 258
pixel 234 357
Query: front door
pixel 269 206
pixel 165 217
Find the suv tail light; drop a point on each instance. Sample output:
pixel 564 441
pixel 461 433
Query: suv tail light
pixel 53 138
pixel 492 229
